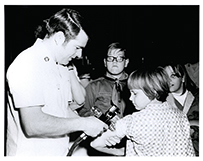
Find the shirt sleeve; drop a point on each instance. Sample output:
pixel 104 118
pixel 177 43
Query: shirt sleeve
pixel 25 85
pixel 122 126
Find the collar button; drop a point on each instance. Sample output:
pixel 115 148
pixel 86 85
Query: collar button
pixel 46 59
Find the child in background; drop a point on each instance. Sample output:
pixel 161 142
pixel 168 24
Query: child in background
pixel 157 129
pixel 184 91
pixel 185 96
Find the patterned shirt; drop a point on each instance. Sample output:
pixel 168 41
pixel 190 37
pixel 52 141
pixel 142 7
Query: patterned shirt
pixel 157 130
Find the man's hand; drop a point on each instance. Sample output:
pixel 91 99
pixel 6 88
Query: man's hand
pixel 93 126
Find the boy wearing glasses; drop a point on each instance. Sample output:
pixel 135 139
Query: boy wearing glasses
pixel 111 89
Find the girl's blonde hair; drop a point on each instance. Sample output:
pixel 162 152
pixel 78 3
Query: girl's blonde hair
pixel 153 82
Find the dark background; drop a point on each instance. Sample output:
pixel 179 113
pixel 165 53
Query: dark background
pixel 152 34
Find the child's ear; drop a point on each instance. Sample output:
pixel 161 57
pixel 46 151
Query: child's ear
pixel 183 79
pixel 104 62
pixel 59 38
pixel 126 62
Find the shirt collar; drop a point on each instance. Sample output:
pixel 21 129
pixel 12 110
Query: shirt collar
pixel 44 51
pixel 123 77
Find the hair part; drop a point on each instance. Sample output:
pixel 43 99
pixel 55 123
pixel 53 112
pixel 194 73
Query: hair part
pixel 66 20
pixel 153 82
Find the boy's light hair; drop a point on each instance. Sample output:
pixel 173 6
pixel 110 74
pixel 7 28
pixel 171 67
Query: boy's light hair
pixel 116 45
pixel 153 82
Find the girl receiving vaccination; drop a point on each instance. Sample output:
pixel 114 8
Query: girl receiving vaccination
pixel 157 129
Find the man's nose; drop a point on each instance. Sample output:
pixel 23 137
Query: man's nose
pixel 78 54
pixel 130 97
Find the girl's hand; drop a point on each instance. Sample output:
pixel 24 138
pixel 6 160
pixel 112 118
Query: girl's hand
pixel 106 141
pixel 112 140
pixel 108 138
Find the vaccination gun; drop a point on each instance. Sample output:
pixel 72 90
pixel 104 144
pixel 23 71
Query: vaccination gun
pixel 106 118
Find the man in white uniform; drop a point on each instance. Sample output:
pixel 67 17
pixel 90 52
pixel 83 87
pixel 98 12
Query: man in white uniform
pixel 41 87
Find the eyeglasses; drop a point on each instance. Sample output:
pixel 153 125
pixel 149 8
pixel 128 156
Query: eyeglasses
pixel 118 59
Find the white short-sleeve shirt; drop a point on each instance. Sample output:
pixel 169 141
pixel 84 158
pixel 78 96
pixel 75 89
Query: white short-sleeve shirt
pixel 35 79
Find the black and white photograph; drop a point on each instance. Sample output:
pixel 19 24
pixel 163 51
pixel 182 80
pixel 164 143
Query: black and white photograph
pixel 105 80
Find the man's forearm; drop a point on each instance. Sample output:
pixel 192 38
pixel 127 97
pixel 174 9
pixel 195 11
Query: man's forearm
pixel 44 125
pixel 36 123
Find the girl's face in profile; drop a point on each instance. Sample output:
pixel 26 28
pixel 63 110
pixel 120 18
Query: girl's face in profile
pixel 139 99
